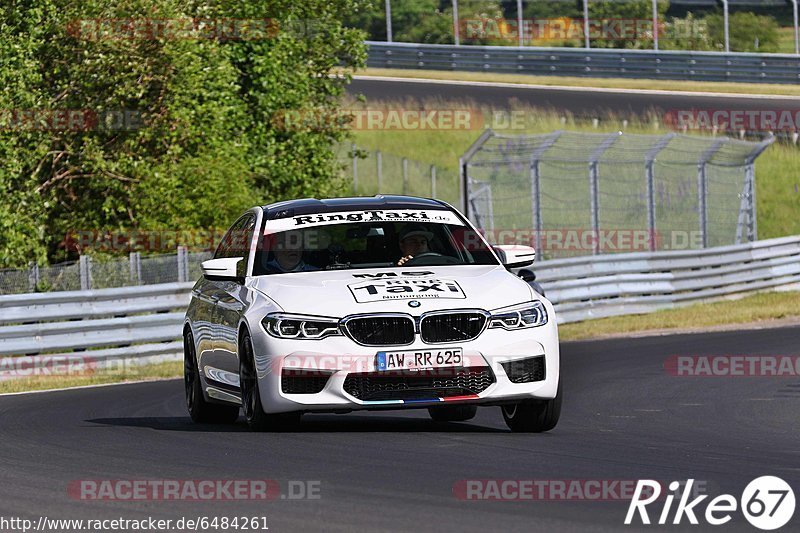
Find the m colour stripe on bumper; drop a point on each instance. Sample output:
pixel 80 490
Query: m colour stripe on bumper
pixel 425 400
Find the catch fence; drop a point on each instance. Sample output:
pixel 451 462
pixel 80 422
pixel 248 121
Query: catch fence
pixel 89 273
pixel 680 191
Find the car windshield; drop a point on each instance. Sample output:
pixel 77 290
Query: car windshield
pixel 381 244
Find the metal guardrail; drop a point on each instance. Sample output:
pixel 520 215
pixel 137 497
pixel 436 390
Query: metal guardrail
pixel 93 328
pixel 144 323
pixel 593 287
pixel 594 63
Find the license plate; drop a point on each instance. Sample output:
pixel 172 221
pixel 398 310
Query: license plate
pixel 419 359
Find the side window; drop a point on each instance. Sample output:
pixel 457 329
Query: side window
pixel 245 237
pixel 235 243
pixel 225 244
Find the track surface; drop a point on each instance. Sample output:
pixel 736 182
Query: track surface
pixel 624 418
pixel 577 101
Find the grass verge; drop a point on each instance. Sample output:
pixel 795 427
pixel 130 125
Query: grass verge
pixel 759 309
pixel 777 174
pixel 604 83
pixel 171 369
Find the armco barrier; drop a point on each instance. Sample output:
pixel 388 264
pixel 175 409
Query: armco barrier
pixel 595 63
pixel 608 285
pixel 101 326
pixel 144 323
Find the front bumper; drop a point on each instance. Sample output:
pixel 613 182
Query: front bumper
pixel 337 357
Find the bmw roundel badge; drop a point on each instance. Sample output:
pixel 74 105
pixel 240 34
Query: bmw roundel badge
pixel 414 303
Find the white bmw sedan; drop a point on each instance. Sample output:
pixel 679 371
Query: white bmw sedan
pixel 389 302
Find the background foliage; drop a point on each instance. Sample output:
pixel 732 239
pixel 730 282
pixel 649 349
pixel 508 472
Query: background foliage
pixel 209 142
pixel 431 21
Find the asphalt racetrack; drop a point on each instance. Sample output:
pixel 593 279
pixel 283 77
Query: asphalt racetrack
pixel 624 418
pixel 579 101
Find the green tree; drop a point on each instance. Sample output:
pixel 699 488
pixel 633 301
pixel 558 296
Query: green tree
pixel 748 32
pixel 427 21
pixel 614 24
pixel 689 33
pixel 200 139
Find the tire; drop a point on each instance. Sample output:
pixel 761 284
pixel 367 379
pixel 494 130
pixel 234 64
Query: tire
pixel 453 413
pixel 533 416
pixel 201 410
pixel 254 413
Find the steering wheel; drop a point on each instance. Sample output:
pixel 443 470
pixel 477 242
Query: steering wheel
pixel 430 258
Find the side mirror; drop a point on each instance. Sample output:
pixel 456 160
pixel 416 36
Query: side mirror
pixel 529 277
pixel 222 269
pixel 515 255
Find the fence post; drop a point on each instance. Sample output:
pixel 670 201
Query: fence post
pixel 355 169
pixel 132 268
pixel 725 17
pixel 536 207
pixel 702 188
pixel 587 44
pixel 655 24
pixel 379 160
pixel 594 191
pixel 462 189
pixel 33 276
pixel 463 170
pixel 456 34
pixel 536 192
pixel 650 175
pixel 750 186
pixel 405 175
pixel 594 187
pixel 183 264
pixel 746 223
pixel 433 181
pixel 702 207
pixel 85 266
pixel 136 268
pixel 521 40
pixel 796 28
pixel 752 233
pixel 388 21
pixel 651 203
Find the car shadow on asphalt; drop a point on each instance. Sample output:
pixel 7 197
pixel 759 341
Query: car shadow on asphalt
pixel 350 423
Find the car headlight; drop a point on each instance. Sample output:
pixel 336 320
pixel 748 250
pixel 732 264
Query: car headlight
pixel 528 315
pixel 287 326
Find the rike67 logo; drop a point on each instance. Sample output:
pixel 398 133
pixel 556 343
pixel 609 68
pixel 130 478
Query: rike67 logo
pixel 767 503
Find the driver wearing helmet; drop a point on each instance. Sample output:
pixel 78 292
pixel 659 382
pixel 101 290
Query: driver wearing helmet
pixel 414 240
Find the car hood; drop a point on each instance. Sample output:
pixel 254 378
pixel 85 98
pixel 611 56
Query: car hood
pixel 346 292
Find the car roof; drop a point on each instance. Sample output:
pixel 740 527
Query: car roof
pixel 307 206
